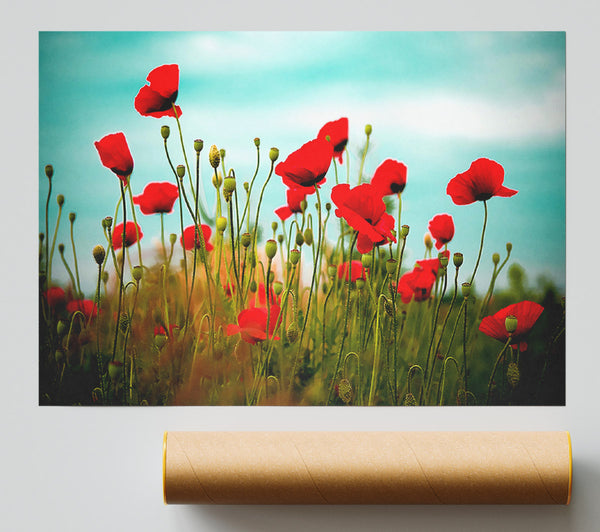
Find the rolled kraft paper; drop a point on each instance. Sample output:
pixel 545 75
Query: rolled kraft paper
pixel 367 467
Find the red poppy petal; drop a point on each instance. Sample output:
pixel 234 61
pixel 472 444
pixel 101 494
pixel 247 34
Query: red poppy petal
pixel 165 80
pixel 460 192
pixel 283 212
pixel 232 329
pixel 492 327
pixel 505 192
pixel 363 244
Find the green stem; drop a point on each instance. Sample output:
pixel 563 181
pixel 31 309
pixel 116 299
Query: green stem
pixel 122 270
pixel 75 260
pixel 137 230
pixel 53 244
pixel 481 244
pixel 508 341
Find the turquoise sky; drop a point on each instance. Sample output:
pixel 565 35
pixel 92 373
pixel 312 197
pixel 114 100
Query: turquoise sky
pixel 436 101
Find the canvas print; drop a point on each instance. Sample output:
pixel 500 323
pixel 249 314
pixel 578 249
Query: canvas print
pixel 302 218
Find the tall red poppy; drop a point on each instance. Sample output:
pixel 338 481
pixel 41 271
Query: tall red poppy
pixel 87 307
pixel 131 235
pixel 115 155
pixel 526 312
pixel 55 296
pixel 441 227
pixel 294 196
pixel 189 234
pixel 157 98
pixel 364 210
pixel 358 272
pixel 337 131
pixel 157 198
pixel 416 284
pixel 252 324
pixel 306 166
pixel 390 177
pixel 480 182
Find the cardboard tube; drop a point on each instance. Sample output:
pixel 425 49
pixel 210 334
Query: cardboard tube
pixel 367 467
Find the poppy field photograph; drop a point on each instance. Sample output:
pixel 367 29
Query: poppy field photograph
pixel 302 218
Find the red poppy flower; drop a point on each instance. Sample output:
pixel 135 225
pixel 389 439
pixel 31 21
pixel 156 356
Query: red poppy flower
pixel 432 265
pixel 157 98
pixel 306 166
pixel 87 307
pixel 131 235
pixel 261 294
pixel 364 210
pixel 337 131
pixel 526 312
pixel 390 177
pixel 157 197
pixel 252 324
pixel 480 182
pixel 115 155
pixel 55 296
pixel 358 272
pixel 189 233
pixel 441 227
pixel 294 196
pixel 416 284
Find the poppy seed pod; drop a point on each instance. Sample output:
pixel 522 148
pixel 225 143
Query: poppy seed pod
pixel 107 222
pixel 366 260
pixel 368 129
pixel 496 258
pixel 466 290
pixel 404 231
pixel 390 266
pixel 229 185
pixel 271 248
pixel 511 324
pixel 331 271
pixel 49 170
pixel 295 256
pixel 458 259
pixel 443 260
pixel 60 199
pixel 99 253
pixel 172 238
pixel 165 131
pixel 221 224
pixel 256 142
pixel 274 154
pixel 214 157
pixel 72 217
pixel 180 171
pixel 198 145
pixel 360 283
pixel 245 239
pixel 137 273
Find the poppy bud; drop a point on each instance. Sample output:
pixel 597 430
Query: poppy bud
pixel 256 142
pixel 71 217
pixel 328 206
pixel 217 180
pixel 271 248
pixel 303 205
pixel 388 307
pixel 513 375
pixel 428 241
pixel 165 131
pixel 273 154
pixel 271 277
pixel 214 157
pixel 280 238
pixel 443 260
pixel 253 286
pixel 198 145
pixel 115 368
pixel 274 226
pixel 390 266
pixel 368 129
pixel 180 170
pixel 295 256
pixel 277 287
pixel 61 327
pixel 58 356
pixel 221 224
pixel 345 390
pixel 49 171
pixel 124 323
pixel 331 271
pixel 496 258
pixel 511 324
pixel 60 199
pixel 42 237
pixel 222 153
pixel 246 186
pixel 172 238
pixel 466 289
pixel 105 277
pixel 360 283
pixel 299 238
pixel 107 222
pixel 508 247
pixel 292 332
pixel 229 185
pixel 137 273
pixel 61 248
pixel 245 239
pixel 99 253
pixel 308 236
pixel 458 259
pixel 410 400
pixel 160 340
pixel 404 231
pixel 366 260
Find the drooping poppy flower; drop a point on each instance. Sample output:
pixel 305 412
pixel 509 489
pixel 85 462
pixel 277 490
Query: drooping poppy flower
pixel 526 312
pixel 337 131
pixel 416 284
pixel 131 235
pixel 157 98
pixel 189 235
pixel 252 324
pixel 480 182
pixel 390 177
pixel 441 227
pixel 306 166
pixel 364 210
pixel 358 272
pixel 294 196
pixel 157 198
pixel 86 306
pixel 55 296
pixel 115 155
